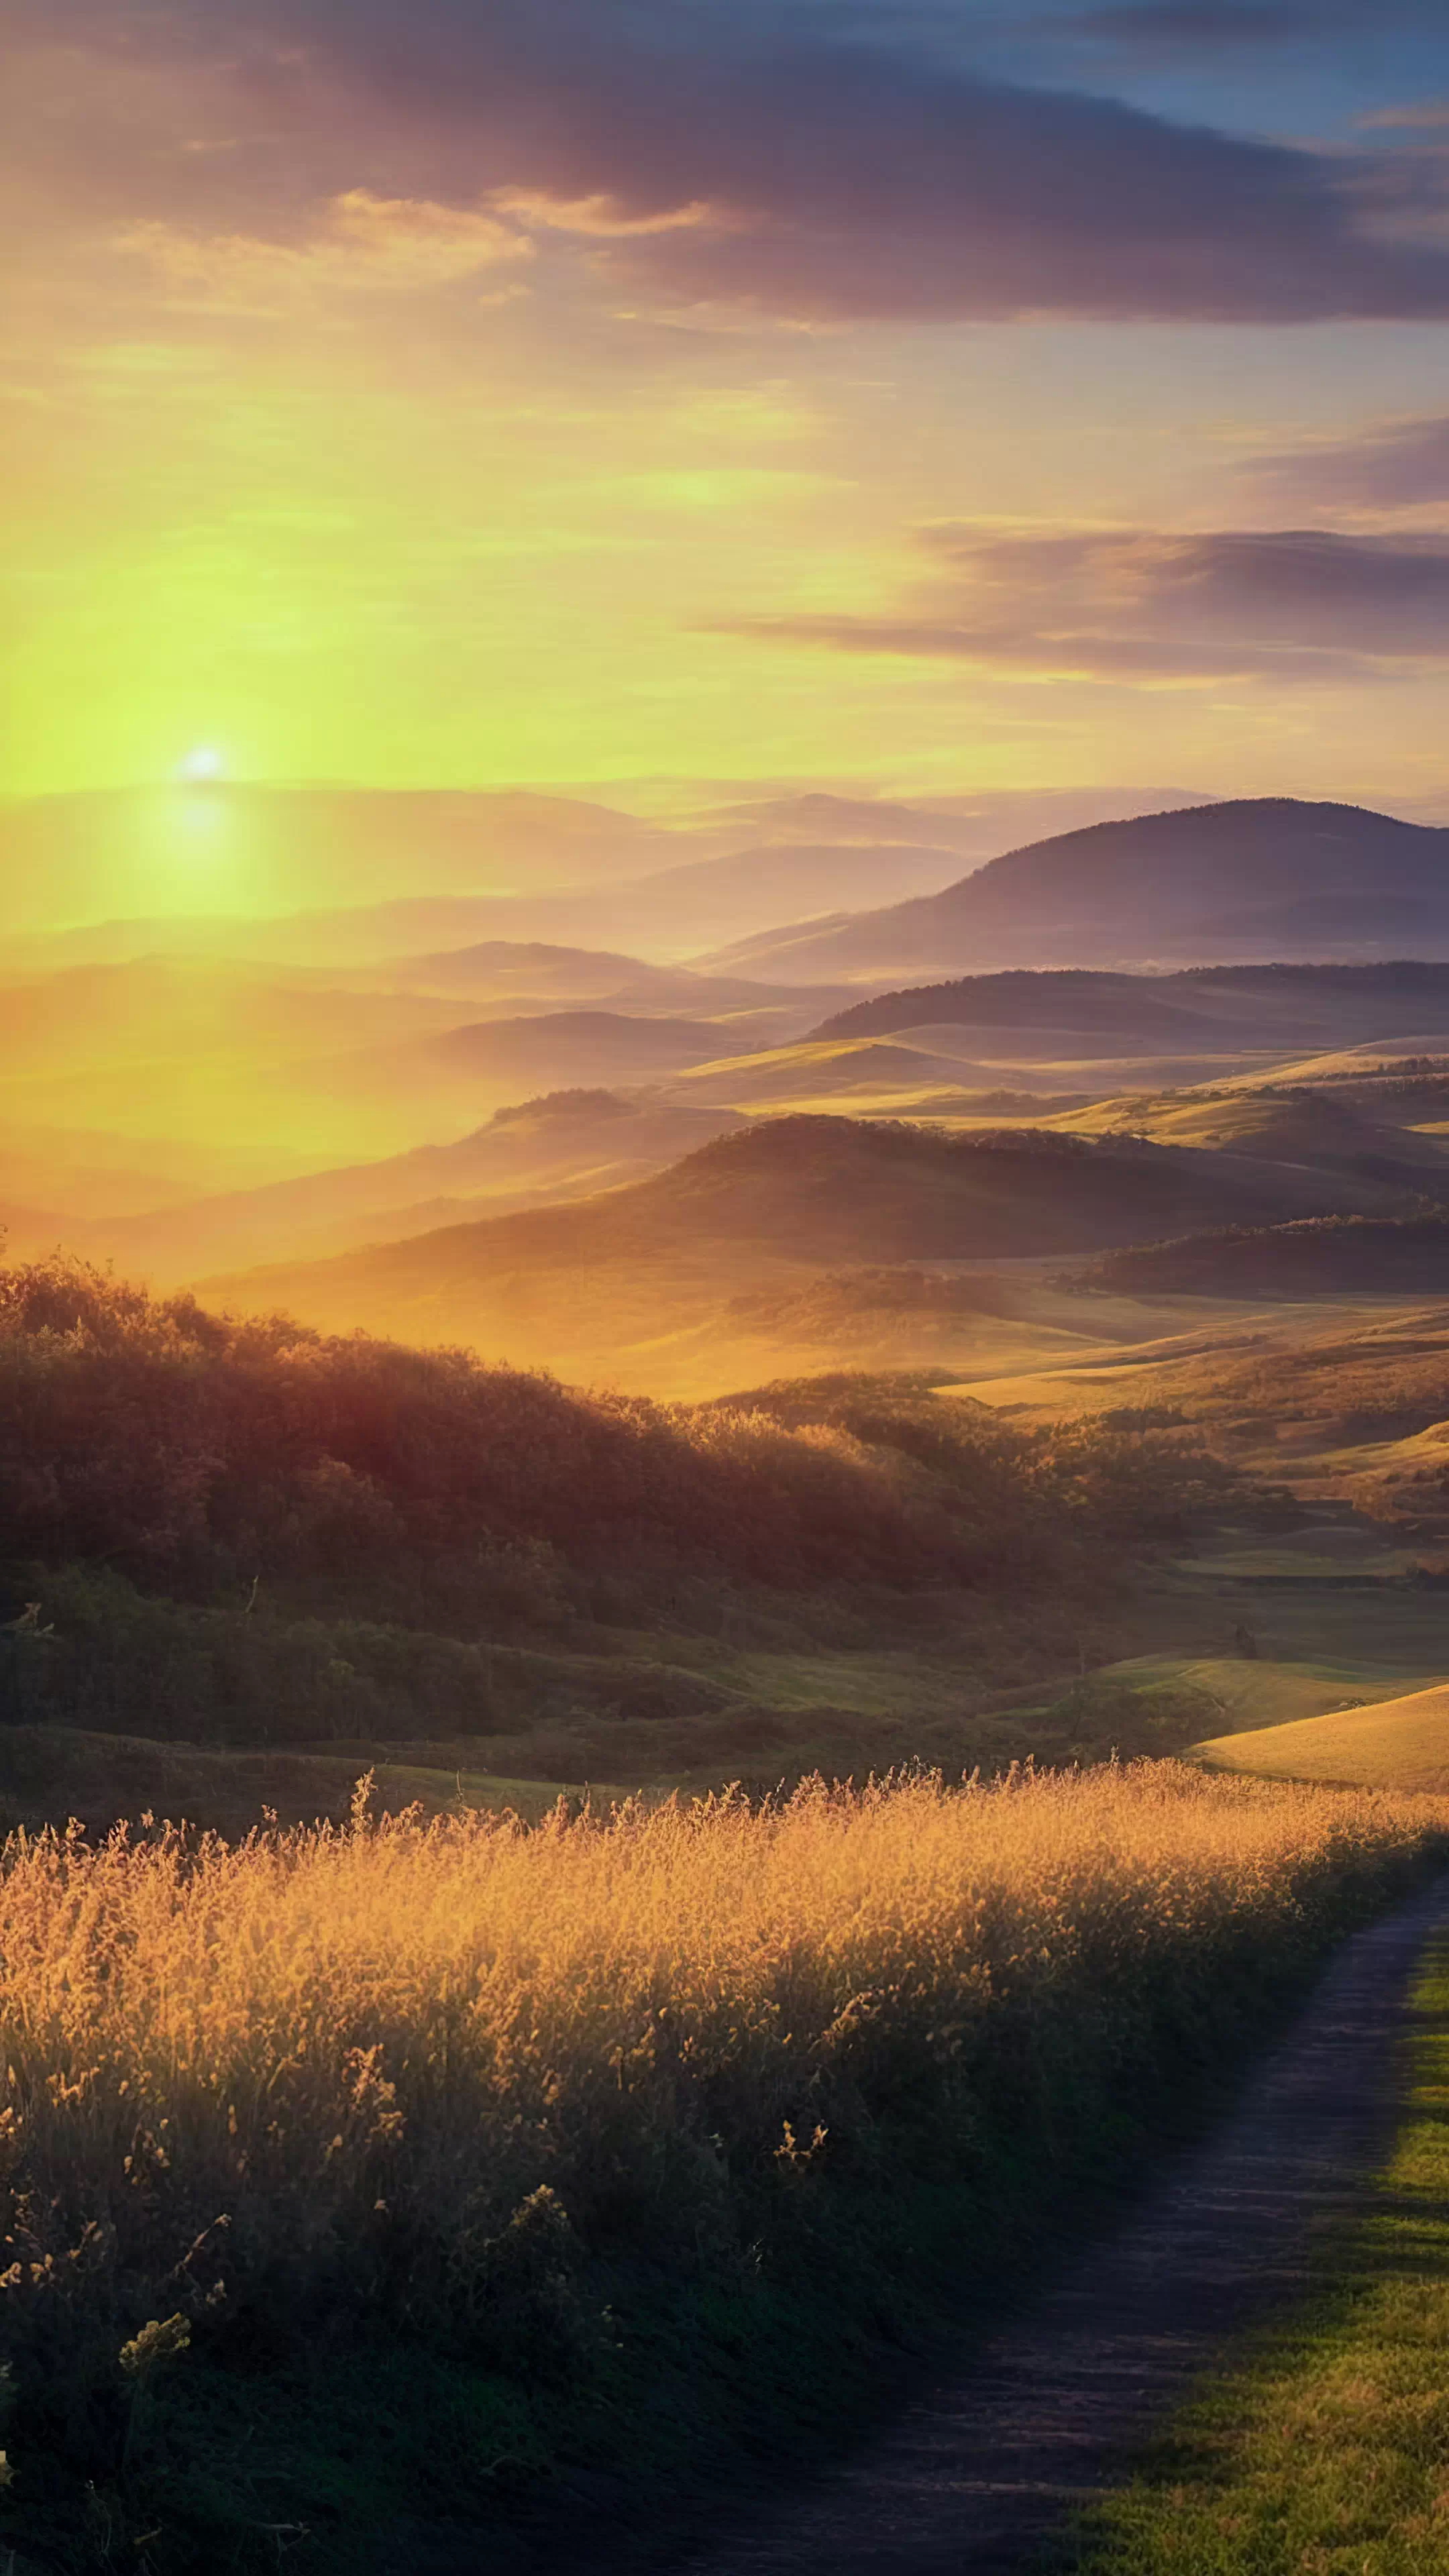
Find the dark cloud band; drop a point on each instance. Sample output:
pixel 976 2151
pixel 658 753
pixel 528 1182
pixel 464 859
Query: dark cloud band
pixel 1144 606
pixel 837 173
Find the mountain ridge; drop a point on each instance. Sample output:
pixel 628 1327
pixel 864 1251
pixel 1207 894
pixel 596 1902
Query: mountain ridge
pixel 1149 888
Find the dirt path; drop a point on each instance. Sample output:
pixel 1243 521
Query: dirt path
pixel 971 2477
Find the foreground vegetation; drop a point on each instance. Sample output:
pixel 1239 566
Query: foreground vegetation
pixel 241 1534
pixel 461 2159
pixel 1328 2448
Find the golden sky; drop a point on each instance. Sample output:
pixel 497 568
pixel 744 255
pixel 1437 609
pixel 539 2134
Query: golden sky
pixel 908 395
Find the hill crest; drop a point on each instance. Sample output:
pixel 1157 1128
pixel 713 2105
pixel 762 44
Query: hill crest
pixel 1239 878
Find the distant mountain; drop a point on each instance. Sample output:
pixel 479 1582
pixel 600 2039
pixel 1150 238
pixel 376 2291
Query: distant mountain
pixel 591 896
pixel 713 899
pixel 157 1011
pixel 1241 879
pixel 537 967
pixel 523 974
pixel 674 913
pixel 566 1144
pixel 442 1081
pixel 1324 1257
pixel 84 878
pixel 86 858
pixel 802 1190
pixel 978 826
pixel 817 816
pixel 1070 1012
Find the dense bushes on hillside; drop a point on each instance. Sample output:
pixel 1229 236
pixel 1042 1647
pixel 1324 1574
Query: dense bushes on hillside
pixel 241 1533
pixel 1312 1257
pixel 192 1451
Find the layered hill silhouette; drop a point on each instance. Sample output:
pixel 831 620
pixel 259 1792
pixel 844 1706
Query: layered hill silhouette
pixel 1254 877
pixel 802 1190
pixel 109 852
pixel 1318 1257
pixel 343 875
pixel 565 1144
pixel 1270 1008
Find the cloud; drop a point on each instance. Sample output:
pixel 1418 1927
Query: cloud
pixel 600 217
pixel 1420 115
pixel 1403 465
pixel 364 245
pixel 1191 26
pixel 789 160
pixel 1150 607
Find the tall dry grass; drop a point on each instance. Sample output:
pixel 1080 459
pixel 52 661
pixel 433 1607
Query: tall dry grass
pixel 432 2077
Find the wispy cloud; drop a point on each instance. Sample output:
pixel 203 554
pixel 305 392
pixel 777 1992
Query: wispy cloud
pixel 1402 465
pixel 363 244
pixel 1155 608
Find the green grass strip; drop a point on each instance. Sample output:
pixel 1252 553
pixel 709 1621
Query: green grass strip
pixel 1325 2450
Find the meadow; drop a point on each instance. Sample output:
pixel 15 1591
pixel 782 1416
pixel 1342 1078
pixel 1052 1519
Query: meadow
pixel 474 2161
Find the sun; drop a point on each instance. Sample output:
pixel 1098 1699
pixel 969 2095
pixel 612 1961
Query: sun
pixel 202 764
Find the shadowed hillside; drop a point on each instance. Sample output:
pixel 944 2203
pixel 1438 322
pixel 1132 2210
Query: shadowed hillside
pixel 831 1188
pixel 1317 1257
pixel 1272 1007
pixel 233 1533
pixel 568 1285
pixel 1252 877
pixel 564 1145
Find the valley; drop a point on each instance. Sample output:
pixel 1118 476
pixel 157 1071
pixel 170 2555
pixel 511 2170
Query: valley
pixel 484 1411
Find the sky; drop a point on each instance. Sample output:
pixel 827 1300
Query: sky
pixel 923 395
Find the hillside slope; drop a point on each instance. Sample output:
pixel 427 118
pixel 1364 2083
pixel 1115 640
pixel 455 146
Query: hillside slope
pixel 1396 1744
pixel 566 1144
pixel 804 1190
pixel 1248 878
pixel 1314 1257
pixel 1274 1008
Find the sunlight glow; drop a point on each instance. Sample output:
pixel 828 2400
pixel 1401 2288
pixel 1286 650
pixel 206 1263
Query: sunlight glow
pixel 202 764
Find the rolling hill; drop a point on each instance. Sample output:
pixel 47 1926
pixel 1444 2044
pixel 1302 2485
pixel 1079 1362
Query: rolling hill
pixel 1250 878
pixel 1394 1744
pixel 566 1144
pixel 1338 1256
pixel 672 914
pixel 797 1191
pixel 557 1048
pixel 1271 1010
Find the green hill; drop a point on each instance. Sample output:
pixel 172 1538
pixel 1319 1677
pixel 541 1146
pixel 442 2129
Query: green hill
pixel 1397 1744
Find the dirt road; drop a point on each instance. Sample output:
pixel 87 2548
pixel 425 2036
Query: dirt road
pixel 970 2479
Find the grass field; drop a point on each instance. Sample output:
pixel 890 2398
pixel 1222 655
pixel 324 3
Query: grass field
pixel 344 2165
pixel 50 1772
pixel 1400 1743
pixel 1325 2452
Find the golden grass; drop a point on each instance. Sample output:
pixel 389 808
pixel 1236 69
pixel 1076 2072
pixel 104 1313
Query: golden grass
pixel 1398 1744
pixel 464 2004
pixel 444 2076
